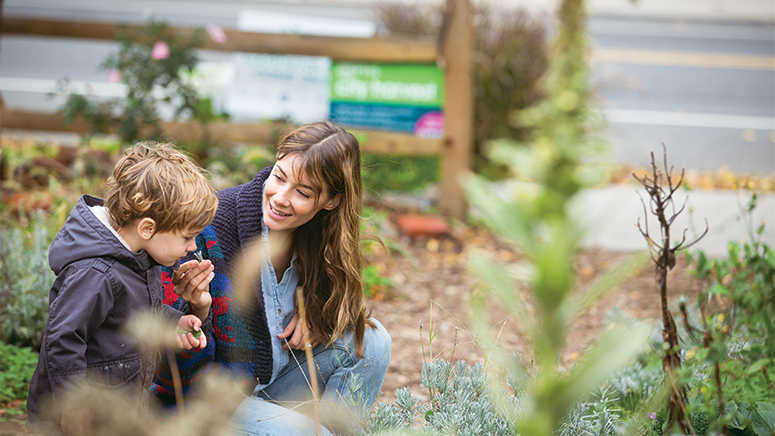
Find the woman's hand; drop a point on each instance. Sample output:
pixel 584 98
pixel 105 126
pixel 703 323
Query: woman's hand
pixel 192 284
pixel 189 333
pixel 296 335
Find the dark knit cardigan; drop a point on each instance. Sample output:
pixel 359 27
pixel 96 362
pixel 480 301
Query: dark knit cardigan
pixel 238 338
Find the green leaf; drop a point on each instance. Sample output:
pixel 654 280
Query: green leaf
pixel 718 289
pixel 502 283
pixel 197 333
pixel 769 341
pixel 737 418
pixel 763 419
pixel 757 366
pixel 615 348
pixel 608 281
pixel 718 353
pixel 504 218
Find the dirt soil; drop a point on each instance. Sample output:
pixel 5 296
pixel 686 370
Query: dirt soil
pixel 432 288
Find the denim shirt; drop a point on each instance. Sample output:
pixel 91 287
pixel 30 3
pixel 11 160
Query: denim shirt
pixel 278 301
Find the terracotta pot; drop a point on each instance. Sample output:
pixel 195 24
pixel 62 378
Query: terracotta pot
pixel 422 225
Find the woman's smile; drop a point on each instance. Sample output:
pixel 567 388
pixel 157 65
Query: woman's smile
pixel 274 209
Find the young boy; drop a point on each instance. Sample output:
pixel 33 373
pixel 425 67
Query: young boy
pixel 108 260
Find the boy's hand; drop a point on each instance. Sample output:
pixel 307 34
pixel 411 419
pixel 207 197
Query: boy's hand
pixel 189 334
pixel 192 284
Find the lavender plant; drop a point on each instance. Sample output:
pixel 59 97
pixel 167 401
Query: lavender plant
pixel 25 279
pixel 599 416
pixel 460 403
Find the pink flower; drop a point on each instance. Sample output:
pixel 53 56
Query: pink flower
pixel 160 51
pixel 114 75
pixel 216 33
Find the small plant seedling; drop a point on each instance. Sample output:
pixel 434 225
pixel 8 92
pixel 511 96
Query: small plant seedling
pixel 196 333
pixel 198 255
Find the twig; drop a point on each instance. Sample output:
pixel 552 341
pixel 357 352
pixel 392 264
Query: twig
pixel 176 382
pixel 313 379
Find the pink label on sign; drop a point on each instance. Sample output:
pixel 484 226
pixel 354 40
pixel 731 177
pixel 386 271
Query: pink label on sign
pixel 430 125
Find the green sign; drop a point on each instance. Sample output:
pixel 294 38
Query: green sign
pixel 403 84
pixel 400 97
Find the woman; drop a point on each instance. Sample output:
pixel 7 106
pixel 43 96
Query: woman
pixel 306 211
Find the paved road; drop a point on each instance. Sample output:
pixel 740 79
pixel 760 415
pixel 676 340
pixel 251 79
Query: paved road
pixel 704 88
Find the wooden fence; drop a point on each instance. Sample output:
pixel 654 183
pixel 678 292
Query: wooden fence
pixel 452 53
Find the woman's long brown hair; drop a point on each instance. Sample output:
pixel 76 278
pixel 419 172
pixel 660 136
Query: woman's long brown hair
pixel 328 246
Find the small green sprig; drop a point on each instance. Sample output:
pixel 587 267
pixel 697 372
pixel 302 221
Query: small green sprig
pixel 198 255
pixel 196 333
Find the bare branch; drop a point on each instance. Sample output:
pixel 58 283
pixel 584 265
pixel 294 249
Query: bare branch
pixel 681 179
pixel 642 181
pixel 645 214
pixel 675 215
pixel 685 316
pixel 683 239
pixel 679 247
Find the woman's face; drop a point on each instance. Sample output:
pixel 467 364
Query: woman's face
pixel 290 203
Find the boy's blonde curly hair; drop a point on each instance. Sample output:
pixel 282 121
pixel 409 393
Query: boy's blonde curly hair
pixel 157 181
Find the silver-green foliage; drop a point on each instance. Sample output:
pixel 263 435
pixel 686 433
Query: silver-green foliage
pixel 599 416
pixel 25 280
pixel 460 403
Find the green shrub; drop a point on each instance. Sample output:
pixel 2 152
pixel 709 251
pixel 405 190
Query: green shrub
pixel 746 280
pixel 25 280
pixel 16 368
pixel 235 165
pixel 377 249
pixel 398 173
pixel 374 283
pixel 144 71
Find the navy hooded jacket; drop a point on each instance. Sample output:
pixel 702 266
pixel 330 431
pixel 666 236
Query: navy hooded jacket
pixel 100 284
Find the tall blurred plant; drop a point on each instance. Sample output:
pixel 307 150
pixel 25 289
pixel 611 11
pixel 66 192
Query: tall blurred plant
pixel 510 55
pixel 537 220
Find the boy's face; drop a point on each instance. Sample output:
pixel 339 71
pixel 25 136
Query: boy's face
pixel 167 248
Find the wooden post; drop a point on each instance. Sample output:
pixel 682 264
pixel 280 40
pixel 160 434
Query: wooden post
pixel 457 46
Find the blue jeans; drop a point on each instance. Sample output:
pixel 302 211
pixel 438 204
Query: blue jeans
pixel 347 386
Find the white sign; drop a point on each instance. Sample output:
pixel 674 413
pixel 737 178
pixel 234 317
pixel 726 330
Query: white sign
pixel 289 87
pixel 271 87
pixel 251 20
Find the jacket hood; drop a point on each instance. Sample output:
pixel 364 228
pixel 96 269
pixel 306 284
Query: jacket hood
pixel 84 236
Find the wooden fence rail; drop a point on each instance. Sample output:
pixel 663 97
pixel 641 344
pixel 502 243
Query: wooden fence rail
pixel 455 53
pixel 337 48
